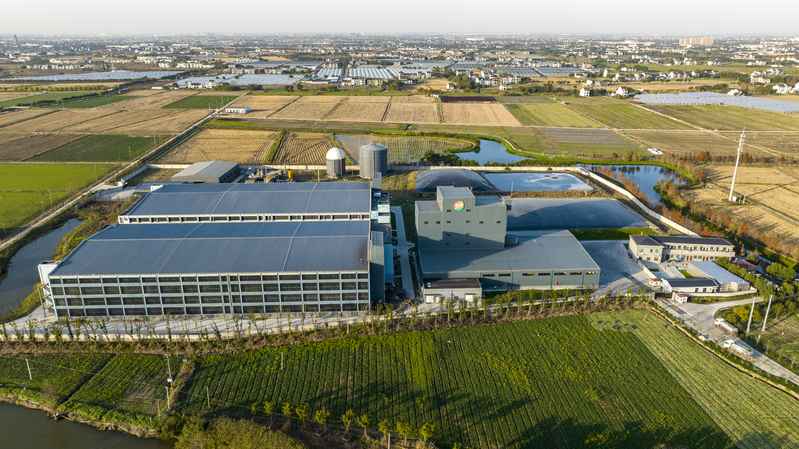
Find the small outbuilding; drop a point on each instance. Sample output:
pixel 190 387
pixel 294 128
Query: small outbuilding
pixel 208 172
pixel 690 285
pixel 728 282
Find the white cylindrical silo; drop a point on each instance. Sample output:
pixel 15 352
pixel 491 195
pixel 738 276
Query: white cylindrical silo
pixel 336 163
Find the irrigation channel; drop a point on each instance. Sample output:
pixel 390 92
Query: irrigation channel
pixel 645 177
pixel 22 273
pixel 24 428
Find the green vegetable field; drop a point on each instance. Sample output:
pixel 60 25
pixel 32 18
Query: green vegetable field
pixel 102 148
pixel 202 102
pixel 28 189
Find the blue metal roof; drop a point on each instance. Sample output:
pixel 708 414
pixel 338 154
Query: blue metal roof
pixel 221 248
pixel 268 198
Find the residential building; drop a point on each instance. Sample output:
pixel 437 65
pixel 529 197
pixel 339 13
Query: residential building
pixel 681 249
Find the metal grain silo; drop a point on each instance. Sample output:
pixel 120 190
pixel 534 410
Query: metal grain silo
pixel 373 160
pixel 336 165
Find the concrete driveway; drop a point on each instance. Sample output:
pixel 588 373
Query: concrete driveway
pixel 619 272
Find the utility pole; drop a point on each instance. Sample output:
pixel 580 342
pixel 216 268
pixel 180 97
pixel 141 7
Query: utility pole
pixel 168 400
pixel 737 162
pixel 751 313
pixel 765 318
pixel 207 398
pixel 28 365
pixel 168 369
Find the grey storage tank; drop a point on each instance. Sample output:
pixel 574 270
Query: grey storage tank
pixel 373 160
pixel 336 163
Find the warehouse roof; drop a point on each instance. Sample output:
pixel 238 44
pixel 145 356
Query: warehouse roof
pixel 712 270
pixel 691 282
pixel 271 198
pixel 221 248
pixel 534 251
pixel 204 171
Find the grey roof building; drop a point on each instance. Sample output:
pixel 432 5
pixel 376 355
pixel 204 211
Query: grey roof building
pixel 299 201
pixel 208 172
pixel 463 236
pixel 680 248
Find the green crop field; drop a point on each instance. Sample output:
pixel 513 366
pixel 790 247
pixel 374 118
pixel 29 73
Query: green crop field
pixel 550 114
pixel 555 383
pixel 753 414
pixel 129 383
pixel 202 102
pixel 102 148
pixel 55 376
pixel 48 96
pixel 28 189
pixel 404 149
pixel 732 118
pixel 93 101
pixel 621 114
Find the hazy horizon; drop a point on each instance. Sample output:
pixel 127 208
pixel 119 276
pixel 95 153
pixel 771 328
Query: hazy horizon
pixel 570 17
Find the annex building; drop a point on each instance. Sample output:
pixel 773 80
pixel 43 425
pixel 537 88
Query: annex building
pixel 681 249
pixel 463 236
pixel 205 259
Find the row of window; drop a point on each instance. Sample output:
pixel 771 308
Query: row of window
pixel 209 288
pixel 247 299
pixel 508 275
pixel 467 222
pixel 212 310
pixel 226 218
pixel 214 278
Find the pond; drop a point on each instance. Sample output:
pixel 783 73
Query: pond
pixel 23 428
pixel 491 152
pixel 645 177
pixel 22 273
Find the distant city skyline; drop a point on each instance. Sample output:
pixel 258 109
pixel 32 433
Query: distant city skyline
pixel 611 17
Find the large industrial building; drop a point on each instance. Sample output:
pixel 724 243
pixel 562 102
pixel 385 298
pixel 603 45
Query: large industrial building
pixel 463 236
pixel 236 248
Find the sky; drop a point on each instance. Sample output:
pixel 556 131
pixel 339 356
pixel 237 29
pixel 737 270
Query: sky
pixel 641 17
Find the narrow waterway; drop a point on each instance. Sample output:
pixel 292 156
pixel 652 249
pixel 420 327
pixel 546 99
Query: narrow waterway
pixel 22 273
pixel 23 428
pixel 645 177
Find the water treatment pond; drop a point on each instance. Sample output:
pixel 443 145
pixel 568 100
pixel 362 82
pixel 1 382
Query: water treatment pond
pixel 537 182
pixel 32 429
pixel 22 273
pixel 490 152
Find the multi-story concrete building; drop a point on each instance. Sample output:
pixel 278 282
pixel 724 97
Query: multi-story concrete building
pixel 463 236
pixel 209 259
pixel 681 249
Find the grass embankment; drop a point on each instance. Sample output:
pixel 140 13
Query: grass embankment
pixel 47 98
pixel 611 233
pixel 91 101
pixel 102 148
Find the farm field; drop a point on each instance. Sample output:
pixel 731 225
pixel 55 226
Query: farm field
pixel 58 120
pixel 412 109
pixel 28 189
pixel 93 101
pixel 478 114
pixel 353 109
pixel 27 99
pixel 621 114
pixel 520 385
pixel 245 147
pixel 10 118
pixel 595 143
pixel 753 414
pixel 20 147
pixel 731 117
pixel 782 336
pixel 786 143
pixel 169 124
pixel 686 142
pixel 202 102
pixel 403 149
pixel 309 108
pixel 130 382
pixel 772 194
pixel 262 106
pixel 303 148
pixel 550 114
pixel 55 375
pixel 102 148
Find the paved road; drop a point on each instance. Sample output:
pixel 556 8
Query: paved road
pixel 701 317
pixel 402 248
